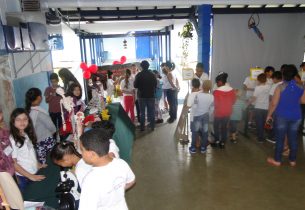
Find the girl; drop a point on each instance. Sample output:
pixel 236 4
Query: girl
pixel 75 91
pixel 42 122
pixel 128 94
pixel 224 98
pixel 6 160
pixel 22 139
pixel 158 95
pixel 67 77
pixel 171 88
pixel 65 155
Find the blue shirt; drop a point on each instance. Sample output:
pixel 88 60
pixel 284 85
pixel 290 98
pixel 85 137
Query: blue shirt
pixel 289 103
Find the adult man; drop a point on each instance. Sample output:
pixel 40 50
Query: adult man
pixel 146 83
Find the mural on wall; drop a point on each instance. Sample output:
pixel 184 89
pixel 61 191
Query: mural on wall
pixel 7 101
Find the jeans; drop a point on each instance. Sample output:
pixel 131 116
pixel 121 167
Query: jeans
pixel 285 127
pixel 260 117
pixel 138 110
pixel 148 103
pixel 173 102
pixel 23 182
pixel 56 119
pixel 200 126
pixel 220 127
pixel 233 126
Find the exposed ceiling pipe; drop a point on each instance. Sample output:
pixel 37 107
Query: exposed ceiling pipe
pixel 131 3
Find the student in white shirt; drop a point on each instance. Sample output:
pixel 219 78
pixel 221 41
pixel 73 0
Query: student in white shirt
pixel 249 86
pixel 65 155
pixel 201 103
pixel 128 94
pixel 261 99
pixel 104 186
pixel 200 74
pixel 269 70
pixel 22 139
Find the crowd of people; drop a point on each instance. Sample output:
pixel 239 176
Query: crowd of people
pixel 273 99
pixel 273 103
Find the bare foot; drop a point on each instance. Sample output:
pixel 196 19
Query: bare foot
pixel 271 161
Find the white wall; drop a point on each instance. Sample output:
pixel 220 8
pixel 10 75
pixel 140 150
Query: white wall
pixel 115 49
pixel 236 48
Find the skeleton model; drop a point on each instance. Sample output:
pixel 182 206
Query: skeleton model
pixel 67 103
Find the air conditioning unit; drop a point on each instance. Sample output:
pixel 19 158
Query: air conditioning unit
pixel 52 19
pixel 30 5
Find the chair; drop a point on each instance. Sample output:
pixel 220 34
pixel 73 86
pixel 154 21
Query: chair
pixel 10 191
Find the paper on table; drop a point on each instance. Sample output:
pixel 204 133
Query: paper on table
pixel 29 205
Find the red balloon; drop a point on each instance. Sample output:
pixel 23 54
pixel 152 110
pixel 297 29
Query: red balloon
pixel 87 74
pixel 123 59
pixel 93 68
pixel 116 62
pixel 83 66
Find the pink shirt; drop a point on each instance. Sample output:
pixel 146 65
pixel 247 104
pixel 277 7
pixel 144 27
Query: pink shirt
pixel 52 99
pixel 6 160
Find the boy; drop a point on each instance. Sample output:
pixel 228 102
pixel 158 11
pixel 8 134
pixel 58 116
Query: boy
pixel 54 101
pixel 104 187
pixel 200 103
pixel 261 99
pixel 269 70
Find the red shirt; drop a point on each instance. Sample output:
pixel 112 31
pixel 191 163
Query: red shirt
pixel 224 99
pixel 52 99
pixel 6 160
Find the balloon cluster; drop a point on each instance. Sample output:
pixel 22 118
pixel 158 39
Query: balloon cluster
pixel 121 61
pixel 87 71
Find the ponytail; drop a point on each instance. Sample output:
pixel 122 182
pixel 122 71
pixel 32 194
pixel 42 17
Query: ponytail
pixel 30 96
pixel 63 148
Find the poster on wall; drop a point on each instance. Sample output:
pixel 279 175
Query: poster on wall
pixel 7 101
pixel 254 72
pixel 187 73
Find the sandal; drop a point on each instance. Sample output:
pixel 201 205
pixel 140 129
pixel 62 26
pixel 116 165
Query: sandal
pixel 286 152
pixel 271 161
pixel 293 163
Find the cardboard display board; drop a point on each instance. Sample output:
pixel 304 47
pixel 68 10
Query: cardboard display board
pixel 254 72
pixel 182 131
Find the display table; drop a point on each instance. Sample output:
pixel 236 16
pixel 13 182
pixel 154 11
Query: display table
pixel 124 130
pixel 44 191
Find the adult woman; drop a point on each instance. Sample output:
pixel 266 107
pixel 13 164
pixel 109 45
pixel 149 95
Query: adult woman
pixel 171 88
pixel 287 113
pixel 67 78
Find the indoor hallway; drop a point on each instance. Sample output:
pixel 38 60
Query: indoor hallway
pixel 236 178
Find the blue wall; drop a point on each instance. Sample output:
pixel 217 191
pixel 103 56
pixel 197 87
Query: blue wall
pixel 21 85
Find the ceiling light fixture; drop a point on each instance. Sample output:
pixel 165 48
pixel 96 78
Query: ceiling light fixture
pixel 272 5
pixel 237 6
pixel 289 5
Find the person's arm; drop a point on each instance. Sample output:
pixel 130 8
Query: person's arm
pixel 274 102
pixel 47 95
pixel 170 80
pixel 177 84
pixel 25 173
pixel 130 184
pixel 136 82
pixel 303 98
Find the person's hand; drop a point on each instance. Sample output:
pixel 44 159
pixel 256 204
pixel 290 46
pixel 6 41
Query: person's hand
pixel 36 178
pixel 269 118
pixel 42 165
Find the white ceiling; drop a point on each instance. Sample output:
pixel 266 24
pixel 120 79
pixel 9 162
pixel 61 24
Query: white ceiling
pixel 130 3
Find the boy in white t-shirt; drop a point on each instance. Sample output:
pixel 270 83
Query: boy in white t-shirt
pixel 104 187
pixel 261 99
pixel 200 103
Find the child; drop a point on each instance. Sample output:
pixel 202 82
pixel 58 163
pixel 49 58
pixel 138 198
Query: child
pixel 104 186
pixel 128 94
pixel 22 139
pixel 200 103
pixel 6 160
pixel 238 108
pixel 54 101
pixel 269 70
pixel 158 95
pixel 75 91
pixel 43 125
pixel 224 97
pixel 261 99
pixel 200 74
